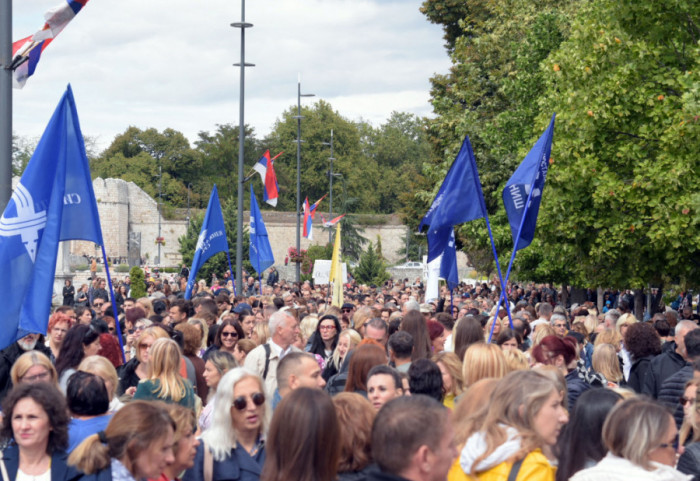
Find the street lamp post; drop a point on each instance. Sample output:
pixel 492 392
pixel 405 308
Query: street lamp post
pixel 5 102
pixel 241 138
pixel 299 141
pixel 330 197
pixel 189 189
pixel 160 203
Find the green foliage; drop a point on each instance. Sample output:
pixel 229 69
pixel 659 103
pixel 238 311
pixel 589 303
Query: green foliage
pixel 620 207
pixel 371 269
pixel 121 268
pixel 138 282
pixel 351 238
pixel 22 150
pixel 218 263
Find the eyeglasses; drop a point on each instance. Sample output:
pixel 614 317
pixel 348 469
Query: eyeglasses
pixel 327 328
pixel 241 402
pixel 143 345
pixel 98 304
pixel 229 334
pixel 36 377
pixel 346 310
pixel 684 400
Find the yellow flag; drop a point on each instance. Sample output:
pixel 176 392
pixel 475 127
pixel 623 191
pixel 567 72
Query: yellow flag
pixel 336 275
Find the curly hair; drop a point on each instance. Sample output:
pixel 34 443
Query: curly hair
pixel 641 340
pixel 51 401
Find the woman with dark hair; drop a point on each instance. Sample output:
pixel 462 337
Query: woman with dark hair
pixel 68 293
pixel 325 338
pixel 88 402
pixel 81 341
pixel 467 331
pixel 307 416
pixel 561 353
pixel 509 339
pixel 581 443
pixel 355 417
pixel 414 323
pixel 84 314
pixel 137 444
pixel 424 377
pixel 227 335
pixel 35 432
pixel 643 343
pixel 365 356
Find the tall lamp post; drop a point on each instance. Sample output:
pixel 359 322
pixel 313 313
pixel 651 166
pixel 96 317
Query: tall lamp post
pixel 330 181
pixel 189 189
pixel 299 141
pixel 241 138
pixel 160 203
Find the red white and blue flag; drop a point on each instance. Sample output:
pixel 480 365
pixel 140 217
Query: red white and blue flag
pixel 265 167
pixel 332 222
pixel 309 213
pixel 27 51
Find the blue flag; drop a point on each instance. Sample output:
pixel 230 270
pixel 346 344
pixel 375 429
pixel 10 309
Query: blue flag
pixel 260 251
pixel 523 192
pixel 212 239
pixel 459 200
pixel 55 187
pixel 448 264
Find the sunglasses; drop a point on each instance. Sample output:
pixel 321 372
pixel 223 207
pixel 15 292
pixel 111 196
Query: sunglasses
pixel 684 400
pixel 98 304
pixel 229 334
pixel 241 402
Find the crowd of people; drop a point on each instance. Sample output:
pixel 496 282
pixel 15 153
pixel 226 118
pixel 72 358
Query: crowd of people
pixel 277 384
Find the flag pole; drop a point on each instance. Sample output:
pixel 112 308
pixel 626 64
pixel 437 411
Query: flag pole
pixel 114 302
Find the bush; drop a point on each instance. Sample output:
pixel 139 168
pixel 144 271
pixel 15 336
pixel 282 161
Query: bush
pixel 138 283
pixel 121 268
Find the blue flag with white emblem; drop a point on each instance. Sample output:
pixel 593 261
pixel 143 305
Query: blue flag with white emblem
pixel 212 239
pixel 260 251
pixel 459 200
pixel 448 263
pixel 523 192
pixel 54 188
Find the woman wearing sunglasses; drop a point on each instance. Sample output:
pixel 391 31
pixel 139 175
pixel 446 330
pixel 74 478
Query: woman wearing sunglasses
pixel 233 447
pixel 227 336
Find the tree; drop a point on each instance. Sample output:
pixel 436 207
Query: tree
pixel 138 283
pixel 22 149
pixel 371 269
pixel 351 240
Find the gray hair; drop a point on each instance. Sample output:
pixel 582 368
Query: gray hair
pixel 276 320
pixel 558 317
pixel 684 326
pixel 221 436
pixel 613 315
pixel 411 305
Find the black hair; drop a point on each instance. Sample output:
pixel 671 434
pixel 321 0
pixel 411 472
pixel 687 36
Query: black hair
pixel 582 440
pixel 317 344
pixel 507 334
pixel 692 343
pixel 72 351
pixel 424 377
pixel 389 371
pixel 87 394
pixel 401 343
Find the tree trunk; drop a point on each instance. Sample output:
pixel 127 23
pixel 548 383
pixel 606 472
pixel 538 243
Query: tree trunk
pixel 564 294
pixel 639 304
pixel 601 293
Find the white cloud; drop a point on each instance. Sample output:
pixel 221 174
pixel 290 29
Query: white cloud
pixel 158 63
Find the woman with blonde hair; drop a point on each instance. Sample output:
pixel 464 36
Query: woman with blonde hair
pixel 131 373
pixel 348 340
pixel 218 363
pixel 609 336
pixel 33 366
pixel 137 444
pixel 525 415
pixel 102 367
pixel 234 446
pixel 164 381
pixel 606 362
pixel 452 380
pixel 261 333
pixel 482 360
pixel 146 304
pixel 640 435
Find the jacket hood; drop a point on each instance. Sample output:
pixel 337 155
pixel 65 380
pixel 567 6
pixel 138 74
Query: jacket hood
pixel 476 446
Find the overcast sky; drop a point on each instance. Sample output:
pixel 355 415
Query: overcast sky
pixel 168 63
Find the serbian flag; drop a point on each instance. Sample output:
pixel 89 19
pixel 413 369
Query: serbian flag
pixel 27 52
pixel 332 222
pixel 265 167
pixel 309 213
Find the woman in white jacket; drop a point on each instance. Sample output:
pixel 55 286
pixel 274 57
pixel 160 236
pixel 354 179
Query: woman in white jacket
pixel 641 438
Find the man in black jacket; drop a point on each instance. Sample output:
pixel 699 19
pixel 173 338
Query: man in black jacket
pixel 668 362
pixel 674 387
